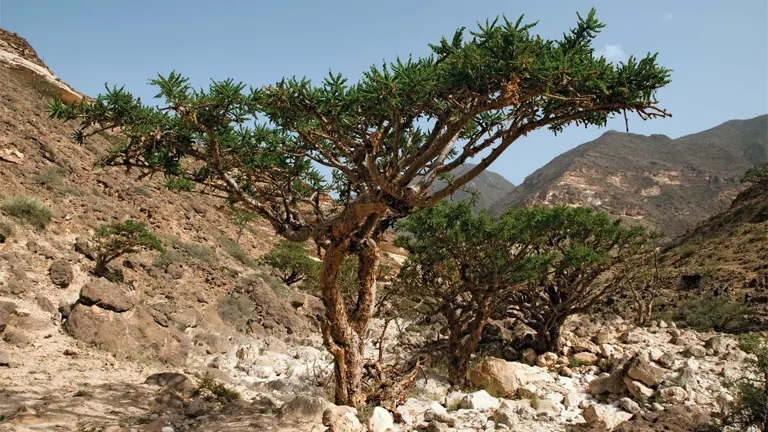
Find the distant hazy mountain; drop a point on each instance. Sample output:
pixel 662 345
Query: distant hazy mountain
pixel 669 184
pixel 489 185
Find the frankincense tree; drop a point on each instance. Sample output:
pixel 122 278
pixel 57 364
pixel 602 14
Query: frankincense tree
pixel 387 138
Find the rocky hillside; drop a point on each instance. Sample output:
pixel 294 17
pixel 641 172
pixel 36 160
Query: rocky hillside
pixel 489 186
pixel 668 184
pixel 727 254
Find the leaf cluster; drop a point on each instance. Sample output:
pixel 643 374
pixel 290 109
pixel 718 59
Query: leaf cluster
pixel 113 240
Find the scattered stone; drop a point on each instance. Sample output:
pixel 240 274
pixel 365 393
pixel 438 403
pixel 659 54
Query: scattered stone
pixel 630 406
pixel 584 345
pixel 662 324
pixel 437 412
pixel 529 356
pixel 656 407
pixel 175 271
pixel 197 408
pixel 631 337
pixel 546 360
pixel 696 351
pixel 70 352
pixel 82 246
pixel 717 344
pixel 479 400
pixel 566 371
pixel 16 337
pixel 642 369
pixel 586 358
pixel 638 390
pixel 667 360
pixel 61 273
pixel 436 426
pixel 45 303
pixel 607 350
pixel 504 378
pixel 655 354
pixel 572 400
pixel 305 407
pixel 604 418
pixel 609 383
pixel 341 419
pixel 381 421
pixel 673 395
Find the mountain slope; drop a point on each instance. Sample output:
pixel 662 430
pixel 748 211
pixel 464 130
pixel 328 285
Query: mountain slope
pixel 489 186
pixel 668 184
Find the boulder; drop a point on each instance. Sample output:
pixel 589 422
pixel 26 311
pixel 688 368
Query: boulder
pixel 629 406
pixel 604 418
pixel 503 378
pixel 673 395
pixel 546 360
pixel 61 273
pixel 667 360
pixel 16 337
pixel 45 303
pixel 585 358
pixel 609 383
pixel 632 337
pixel 381 421
pixel 584 345
pixel 437 412
pixel 638 390
pixel 341 419
pixel 696 351
pixel 479 400
pixel 305 407
pixel 529 356
pixel 717 344
pixel 504 415
pixel 106 295
pixel 130 335
pixel 642 369
pixel 412 411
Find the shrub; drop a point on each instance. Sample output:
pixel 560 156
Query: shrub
pixel 180 184
pixel 719 313
pixel 209 387
pixel 196 251
pixel 6 230
pixel 51 177
pixel 28 210
pixel 141 190
pixel 757 176
pixel 291 263
pixel 750 407
pixel 687 251
pixel 234 249
pixel 117 239
pixel 241 218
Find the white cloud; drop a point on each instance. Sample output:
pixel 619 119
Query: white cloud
pixel 612 52
pixel 669 16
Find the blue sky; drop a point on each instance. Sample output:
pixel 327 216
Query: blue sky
pixel 717 49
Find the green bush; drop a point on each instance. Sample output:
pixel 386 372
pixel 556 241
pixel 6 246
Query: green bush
pixel 196 251
pixel 234 249
pixel 291 263
pixel 117 239
pixel 180 184
pixel 28 210
pixel 141 190
pixel 687 251
pixel 51 176
pixel 209 387
pixel 719 313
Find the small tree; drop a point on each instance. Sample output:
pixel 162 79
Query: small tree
pixel 461 267
pixel 117 239
pixel 584 257
pixel 291 263
pixel 386 138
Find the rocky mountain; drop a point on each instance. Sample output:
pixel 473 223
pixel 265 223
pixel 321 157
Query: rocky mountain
pixel 668 184
pixel 489 186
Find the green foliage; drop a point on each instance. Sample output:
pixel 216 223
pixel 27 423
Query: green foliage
pixel 180 184
pixel 117 239
pixel 750 408
pixel 237 252
pixel 539 265
pixel 209 387
pixel 292 264
pixel 719 313
pixel 757 176
pixel 241 218
pixel 28 210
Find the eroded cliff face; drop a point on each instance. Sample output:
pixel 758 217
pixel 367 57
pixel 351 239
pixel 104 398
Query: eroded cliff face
pixel 665 184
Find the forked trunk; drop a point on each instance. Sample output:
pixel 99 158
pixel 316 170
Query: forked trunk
pixel 343 329
pixel 463 343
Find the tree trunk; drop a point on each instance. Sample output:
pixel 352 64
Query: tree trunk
pixel 548 336
pixel 462 347
pixel 343 329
